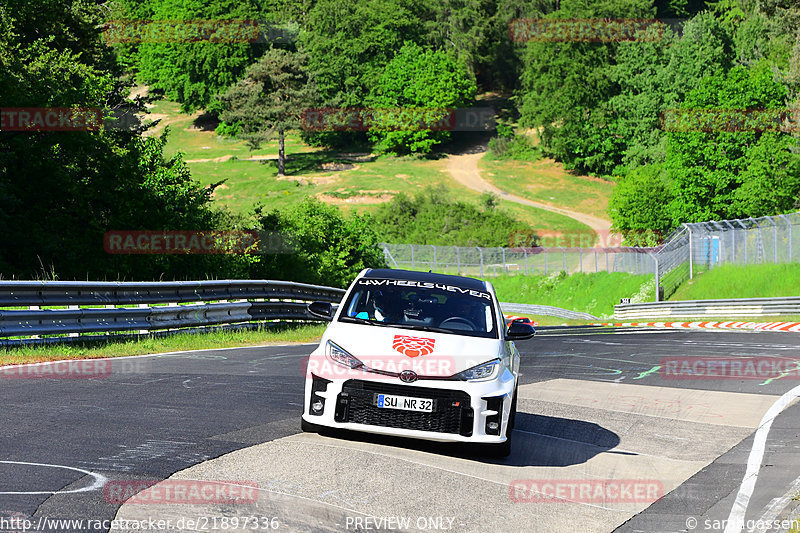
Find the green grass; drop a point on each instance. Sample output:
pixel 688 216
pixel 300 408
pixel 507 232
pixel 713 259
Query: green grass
pixel 173 343
pixel 546 181
pixel 352 185
pixel 742 281
pixel 589 293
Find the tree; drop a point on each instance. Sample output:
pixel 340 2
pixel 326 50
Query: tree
pixel 192 73
pixel 414 81
pixel 638 205
pixel 565 85
pixel 61 191
pixel 349 44
pixel 328 248
pixel 741 165
pixel 270 99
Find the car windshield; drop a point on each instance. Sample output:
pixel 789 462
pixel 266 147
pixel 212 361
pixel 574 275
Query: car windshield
pixel 421 305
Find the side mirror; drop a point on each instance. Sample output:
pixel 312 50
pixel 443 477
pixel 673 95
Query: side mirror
pixel 519 331
pixel 323 310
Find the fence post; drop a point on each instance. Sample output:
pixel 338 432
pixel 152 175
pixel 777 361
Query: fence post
pixel 658 281
pixel 580 258
pixel 691 264
pixel 481 256
pixel 595 261
pixel 774 240
pixel 526 262
pixel 789 227
pixel 733 241
pixel 434 256
pixel 564 255
pixel 458 259
pixel 545 261
pixel 412 256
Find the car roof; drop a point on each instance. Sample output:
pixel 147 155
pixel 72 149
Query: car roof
pixel 414 275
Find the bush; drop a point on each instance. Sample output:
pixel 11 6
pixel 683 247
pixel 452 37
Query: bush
pixel 432 218
pixel 513 147
pixel 328 248
pixel 226 129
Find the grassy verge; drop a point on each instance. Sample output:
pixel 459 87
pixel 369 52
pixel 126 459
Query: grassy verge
pixel 546 181
pixel 589 293
pixel 742 281
pixel 353 183
pixel 174 343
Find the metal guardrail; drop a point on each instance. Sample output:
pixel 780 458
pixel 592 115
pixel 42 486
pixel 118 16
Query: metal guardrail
pixel 58 311
pixel 740 307
pixel 545 310
pixel 144 307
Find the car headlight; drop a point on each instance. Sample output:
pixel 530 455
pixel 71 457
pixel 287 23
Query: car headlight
pixel 340 356
pixel 482 372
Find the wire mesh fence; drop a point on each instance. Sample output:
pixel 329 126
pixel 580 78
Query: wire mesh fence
pixel 476 261
pixel 690 249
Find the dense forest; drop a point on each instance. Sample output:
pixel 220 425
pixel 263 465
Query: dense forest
pixel 627 109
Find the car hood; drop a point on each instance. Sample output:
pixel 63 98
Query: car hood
pixel 398 349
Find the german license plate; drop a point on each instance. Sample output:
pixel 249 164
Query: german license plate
pixel 405 403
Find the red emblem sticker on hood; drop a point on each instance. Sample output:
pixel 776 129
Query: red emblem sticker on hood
pixel 413 346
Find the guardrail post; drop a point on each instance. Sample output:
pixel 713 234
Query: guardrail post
pixel 691 264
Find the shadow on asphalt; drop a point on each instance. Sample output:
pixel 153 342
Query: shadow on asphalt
pixel 537 441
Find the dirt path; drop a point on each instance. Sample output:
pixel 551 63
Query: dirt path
pixel 464 169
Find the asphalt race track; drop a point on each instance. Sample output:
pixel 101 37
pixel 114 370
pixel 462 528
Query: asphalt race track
pixel 595 409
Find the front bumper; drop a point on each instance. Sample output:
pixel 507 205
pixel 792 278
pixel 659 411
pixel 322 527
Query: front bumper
pixel 476 412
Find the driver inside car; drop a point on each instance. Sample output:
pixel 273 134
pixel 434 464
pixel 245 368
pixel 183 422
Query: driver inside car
pixel 383 309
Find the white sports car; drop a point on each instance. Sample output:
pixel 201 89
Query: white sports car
pixel 416 354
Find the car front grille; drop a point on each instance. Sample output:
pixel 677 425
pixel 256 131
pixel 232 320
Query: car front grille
pixel 452 412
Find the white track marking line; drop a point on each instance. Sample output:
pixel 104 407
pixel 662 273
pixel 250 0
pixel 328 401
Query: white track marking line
pixel 164 354
pixel 735 522
pixel 773 508
pixel 99 479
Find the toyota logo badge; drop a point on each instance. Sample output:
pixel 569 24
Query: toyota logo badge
pixel 408 376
